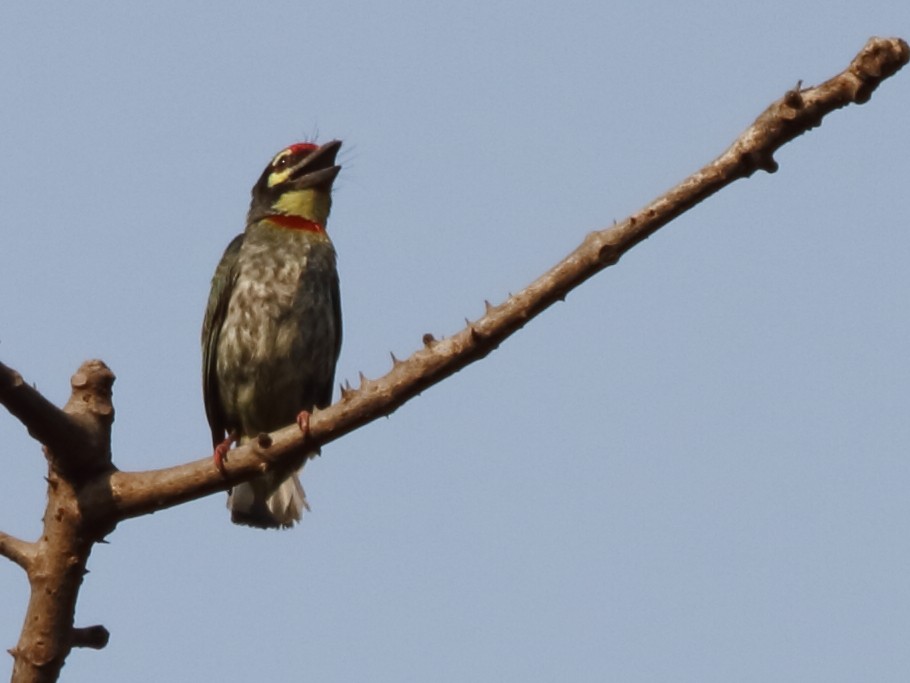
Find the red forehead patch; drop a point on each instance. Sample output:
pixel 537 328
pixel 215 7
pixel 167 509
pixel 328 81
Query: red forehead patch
pixel 302 147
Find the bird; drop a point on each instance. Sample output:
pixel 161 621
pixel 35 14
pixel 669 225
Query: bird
pixel 271 335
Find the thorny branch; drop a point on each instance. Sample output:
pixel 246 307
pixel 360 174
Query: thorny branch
pixel 88 496
pixel 55 564
pixel 136 493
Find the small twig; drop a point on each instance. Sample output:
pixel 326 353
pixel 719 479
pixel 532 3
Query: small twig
pixel 19 551
pixel 94 637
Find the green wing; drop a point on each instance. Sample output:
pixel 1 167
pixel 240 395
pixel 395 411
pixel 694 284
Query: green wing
pixel 336 312
pixel 222 286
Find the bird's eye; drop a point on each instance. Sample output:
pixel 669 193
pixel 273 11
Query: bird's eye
pixel 280 163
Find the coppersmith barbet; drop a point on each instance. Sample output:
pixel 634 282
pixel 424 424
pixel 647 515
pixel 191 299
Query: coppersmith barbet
pixel 272 329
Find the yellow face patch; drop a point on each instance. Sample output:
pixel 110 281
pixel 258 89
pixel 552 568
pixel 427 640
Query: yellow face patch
pixel 311 204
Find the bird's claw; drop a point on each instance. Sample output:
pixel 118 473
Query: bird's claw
pixel 303 421
pixel 219 456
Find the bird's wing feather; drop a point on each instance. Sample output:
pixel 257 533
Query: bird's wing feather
pixel 336 313
pixel 222 286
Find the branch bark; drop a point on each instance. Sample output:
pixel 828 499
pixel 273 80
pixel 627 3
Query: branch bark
pixel 88 497
pixel 45 422
pixel 72 433
pixel 55 564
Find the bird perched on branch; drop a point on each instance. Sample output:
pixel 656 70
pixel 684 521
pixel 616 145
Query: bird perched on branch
pixel 272 329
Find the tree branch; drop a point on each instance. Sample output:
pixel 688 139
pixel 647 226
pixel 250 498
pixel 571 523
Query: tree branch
pixel 19 551
pixel 45 422
pixel 57 561
pixel 799 110
pixel 72 435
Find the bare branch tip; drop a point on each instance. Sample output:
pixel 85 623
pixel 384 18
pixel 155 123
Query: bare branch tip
pixel 94 372
pixel 879 59
pixel 16 550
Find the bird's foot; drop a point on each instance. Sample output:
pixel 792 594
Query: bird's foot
pixel 221 451
pixel 303 421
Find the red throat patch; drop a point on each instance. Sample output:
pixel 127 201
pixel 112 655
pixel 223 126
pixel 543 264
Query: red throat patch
pixel 295 223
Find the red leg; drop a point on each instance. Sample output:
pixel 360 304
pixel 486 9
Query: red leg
pixel 303 421
pixel 221 451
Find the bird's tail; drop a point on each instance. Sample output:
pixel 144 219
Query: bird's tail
pixel 272 501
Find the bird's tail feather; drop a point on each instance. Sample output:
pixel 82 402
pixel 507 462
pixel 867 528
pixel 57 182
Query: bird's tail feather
pixel 272 501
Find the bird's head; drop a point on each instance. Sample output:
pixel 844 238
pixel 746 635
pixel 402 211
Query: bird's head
pixel 297 183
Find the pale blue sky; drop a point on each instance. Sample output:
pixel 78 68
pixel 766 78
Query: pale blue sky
pixel 694 469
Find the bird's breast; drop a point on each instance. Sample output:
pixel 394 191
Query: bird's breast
pixel 276 347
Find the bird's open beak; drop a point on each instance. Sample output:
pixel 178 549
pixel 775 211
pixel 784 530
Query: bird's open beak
pixel 318 169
